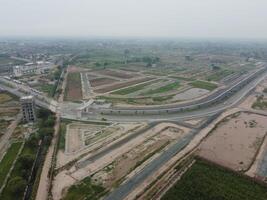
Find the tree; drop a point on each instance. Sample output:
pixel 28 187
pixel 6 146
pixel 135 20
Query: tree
pixel 17 185
pixel 26 161
pixel 43 113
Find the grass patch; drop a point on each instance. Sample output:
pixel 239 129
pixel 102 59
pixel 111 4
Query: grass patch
pixel 166 88
pixel 205 181
pixel 218 75
pixel 8 160
pixel 48 88
pixel 85 190
pixel 203 85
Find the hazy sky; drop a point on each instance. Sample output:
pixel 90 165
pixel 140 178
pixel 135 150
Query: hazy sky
pixel 145 18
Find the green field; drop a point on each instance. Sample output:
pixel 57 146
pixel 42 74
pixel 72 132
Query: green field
pixel 166 88
pixel 205 181
pixel 132 89
pixel 48 88
pixel 7 161
pixel 85 190
pixel 203 85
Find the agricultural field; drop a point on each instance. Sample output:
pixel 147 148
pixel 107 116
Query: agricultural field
pixel 206 181
pixel 235 141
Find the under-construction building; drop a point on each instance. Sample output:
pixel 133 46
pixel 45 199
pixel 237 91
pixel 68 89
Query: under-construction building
pixel 28 108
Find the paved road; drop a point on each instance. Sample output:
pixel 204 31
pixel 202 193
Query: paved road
pixel 126 188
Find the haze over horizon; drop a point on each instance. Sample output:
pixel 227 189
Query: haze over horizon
pixel 128 18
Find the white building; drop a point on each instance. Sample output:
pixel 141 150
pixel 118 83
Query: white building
pixel 39 67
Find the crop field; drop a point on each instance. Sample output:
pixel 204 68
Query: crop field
pixel 73 89
pixel 204 85
pixel 206 181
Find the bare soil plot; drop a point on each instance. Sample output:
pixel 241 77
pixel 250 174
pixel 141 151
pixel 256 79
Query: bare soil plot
pixel 190 94
pixel 235 141
pixel 74 88
pixel 83 139
pixel 101 81
pixel 75 135
pixel 116 74
pixel 121 85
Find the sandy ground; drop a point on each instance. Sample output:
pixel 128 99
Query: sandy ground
pixel 67 178
pixel 235 141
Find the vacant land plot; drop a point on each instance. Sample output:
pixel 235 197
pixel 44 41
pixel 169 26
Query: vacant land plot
pixel 73 90
pixel 190 94
pixel 235 141
pixel 122 85
pixel 205 181
pixel 116 74
pixel 101 81
pixel 76 135
pixel 7 160
pixel 204 85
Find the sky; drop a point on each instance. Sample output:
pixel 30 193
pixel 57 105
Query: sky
pixel 134 18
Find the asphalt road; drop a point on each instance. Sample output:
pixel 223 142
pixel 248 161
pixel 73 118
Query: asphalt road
pixel 126 188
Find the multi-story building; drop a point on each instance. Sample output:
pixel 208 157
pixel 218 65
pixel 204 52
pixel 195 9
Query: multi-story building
pixel 39 67
pixel 28 108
